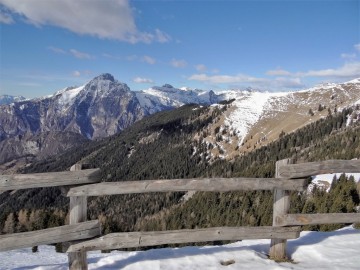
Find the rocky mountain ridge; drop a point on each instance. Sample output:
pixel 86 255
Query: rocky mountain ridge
pixel 105 106
pixel 8 99
pixel 101 108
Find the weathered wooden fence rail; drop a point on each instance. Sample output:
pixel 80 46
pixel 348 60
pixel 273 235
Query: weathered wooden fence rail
pixel 80 231
pixel 84 183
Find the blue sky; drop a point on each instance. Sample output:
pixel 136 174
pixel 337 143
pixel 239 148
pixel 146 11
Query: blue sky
pixel 47 45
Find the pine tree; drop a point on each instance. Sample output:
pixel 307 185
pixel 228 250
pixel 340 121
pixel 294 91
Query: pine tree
pixel 9 225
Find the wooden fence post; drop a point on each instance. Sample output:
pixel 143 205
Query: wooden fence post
pixel 78 213
pixel 281 207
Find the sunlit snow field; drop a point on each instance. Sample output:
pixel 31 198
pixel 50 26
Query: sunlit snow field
pixel 313 250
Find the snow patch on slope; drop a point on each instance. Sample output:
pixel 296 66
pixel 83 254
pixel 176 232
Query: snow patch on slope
pixel 158 98
pixel 325 180
pixel 249 107
pixel 67 96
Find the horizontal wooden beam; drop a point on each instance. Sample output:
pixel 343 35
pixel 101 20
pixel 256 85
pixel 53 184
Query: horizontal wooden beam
pixel 314 168
pixel 313 219
pixel 36 180
pixel 143 239
pixel 80 231
pixel 205 184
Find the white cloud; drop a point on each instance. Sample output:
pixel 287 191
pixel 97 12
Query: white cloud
pixel 132 57
pixel 357 46
pixel 201 68
pixel 110 56
pixel 228 79
pixel 243 80
pixel 283 83
pixel 348 70
pixel 178 63
pixel 111 19
pixel 148 59
pixel 348 55
pixel 161 36
pixel 80 55
pixel 142 80
pixel 5 18
pixel 278 72
pixel 56 50
pixel 76 73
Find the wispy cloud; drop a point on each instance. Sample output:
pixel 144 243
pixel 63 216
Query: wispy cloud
pixel 201 67
pixel 148 59
pixel 347 70
pixel 178 63
pixel 142 80
pixel 357 47
pixel 5 17
pixel 29 84
pixel 348 55
pixel 113 20
pixel 80 55
pixel 76 53
pixel 76 73
pixel 278 72
pixel 227 79
pixel 161 36
pixel 111 56
pixel 56 50
pixel 145 58
pixel 241 80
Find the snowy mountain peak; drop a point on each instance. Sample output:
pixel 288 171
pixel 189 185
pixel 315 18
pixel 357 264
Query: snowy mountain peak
pixel 104 77
pixel 354 81
pixel 7 99
pixel 166 85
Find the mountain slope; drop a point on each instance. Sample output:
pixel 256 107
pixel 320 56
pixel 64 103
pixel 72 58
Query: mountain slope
pixel 259 118
pixel 105 106
pixel 168 145
pixel 34 147
pixel 102 107
pixel 7 99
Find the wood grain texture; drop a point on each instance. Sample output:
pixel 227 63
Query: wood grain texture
pixel 78 213
pixel 36 180
pixel 314 168
pixel 205 184
pixel 280 207
pixel 60 234
pixel 313 219
pixel 143 239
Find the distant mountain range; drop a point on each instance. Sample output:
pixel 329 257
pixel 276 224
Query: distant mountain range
pixel 102 107
pixel 7 99
pixel 105 106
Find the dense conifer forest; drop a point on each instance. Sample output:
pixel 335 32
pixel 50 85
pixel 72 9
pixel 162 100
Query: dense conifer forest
pixel 162 146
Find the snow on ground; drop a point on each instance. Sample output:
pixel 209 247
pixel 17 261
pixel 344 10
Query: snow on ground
pixel 249 106
pixel 325 180
pixel 313 250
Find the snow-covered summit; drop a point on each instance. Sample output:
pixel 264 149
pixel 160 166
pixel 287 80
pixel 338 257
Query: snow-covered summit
pixel 158 98
pixel 357 80
pixel 7 99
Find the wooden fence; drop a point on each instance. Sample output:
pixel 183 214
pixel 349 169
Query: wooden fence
pixel 84 235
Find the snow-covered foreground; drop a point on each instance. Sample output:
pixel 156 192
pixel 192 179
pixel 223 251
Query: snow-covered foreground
pixel 313 250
